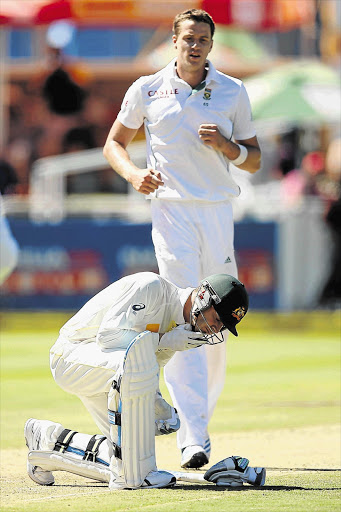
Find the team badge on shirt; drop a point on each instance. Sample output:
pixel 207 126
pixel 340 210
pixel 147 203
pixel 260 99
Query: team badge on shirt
pixel 207 93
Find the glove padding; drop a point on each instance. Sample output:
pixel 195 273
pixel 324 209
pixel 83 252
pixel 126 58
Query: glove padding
pixel 164 427
pixel 167 419
pixel 234 471
pixel 182 338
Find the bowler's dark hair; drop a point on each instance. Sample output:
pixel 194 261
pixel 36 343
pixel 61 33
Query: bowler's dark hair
pixel 197 15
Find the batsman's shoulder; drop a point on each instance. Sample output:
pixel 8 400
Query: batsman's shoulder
pixel 149 278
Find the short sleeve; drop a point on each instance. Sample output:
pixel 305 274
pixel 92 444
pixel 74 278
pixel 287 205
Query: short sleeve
pixel 243 124
pixel 131 114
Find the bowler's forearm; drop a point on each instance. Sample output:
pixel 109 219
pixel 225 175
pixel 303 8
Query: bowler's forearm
pixel 119 159
pixel 232 151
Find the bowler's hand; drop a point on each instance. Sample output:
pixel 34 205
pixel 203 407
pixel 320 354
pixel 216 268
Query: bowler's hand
pixel 146 181
pixel 210 135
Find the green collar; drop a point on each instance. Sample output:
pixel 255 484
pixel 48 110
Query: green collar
pixel 199 87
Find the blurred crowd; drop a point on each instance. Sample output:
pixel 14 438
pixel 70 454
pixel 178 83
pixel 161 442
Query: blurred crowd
pixel 318 176
pixel 63 109
pixel 59 110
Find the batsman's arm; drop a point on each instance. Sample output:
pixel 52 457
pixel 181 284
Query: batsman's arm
pixel 144 181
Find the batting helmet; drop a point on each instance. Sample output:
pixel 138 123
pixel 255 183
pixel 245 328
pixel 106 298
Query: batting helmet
pixel 228 296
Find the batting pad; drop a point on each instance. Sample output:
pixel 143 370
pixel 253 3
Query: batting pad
pixel 54 461
pixel 131 414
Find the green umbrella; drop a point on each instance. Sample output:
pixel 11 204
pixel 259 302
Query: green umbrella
pixel 298 92
pixel 241 42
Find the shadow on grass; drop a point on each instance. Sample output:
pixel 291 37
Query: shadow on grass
pixel 305 469
pixel 188 486
pixel 193 487
pixel 202 487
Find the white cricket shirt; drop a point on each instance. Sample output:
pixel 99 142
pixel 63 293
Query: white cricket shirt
pixel 139 302
pixel 172 112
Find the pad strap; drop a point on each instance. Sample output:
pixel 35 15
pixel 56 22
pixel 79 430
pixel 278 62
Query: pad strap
pixel 116 384
pixel 92 448
pixel 64 440
pixel 114 417
pixel 117 451
pixel 240 463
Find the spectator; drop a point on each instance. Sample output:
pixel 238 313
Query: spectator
pixel 8 177
pixel 331 294
pixel 304 181
pixel 9 248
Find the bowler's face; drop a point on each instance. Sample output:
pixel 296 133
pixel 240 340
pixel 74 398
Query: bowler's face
pixel 193 44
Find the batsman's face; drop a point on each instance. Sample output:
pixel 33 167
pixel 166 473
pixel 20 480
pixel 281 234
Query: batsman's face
pixel 193 43
pixel 208 322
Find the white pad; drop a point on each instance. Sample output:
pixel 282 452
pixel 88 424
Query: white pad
pixel 131 414
pixel 55 461
pixel 62 449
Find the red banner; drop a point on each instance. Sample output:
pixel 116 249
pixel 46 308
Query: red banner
pixel 260 15
pixel 256 15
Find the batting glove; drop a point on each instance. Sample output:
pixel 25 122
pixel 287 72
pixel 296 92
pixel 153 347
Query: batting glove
pixel 182 338
pixel 167 419
pixel 235 471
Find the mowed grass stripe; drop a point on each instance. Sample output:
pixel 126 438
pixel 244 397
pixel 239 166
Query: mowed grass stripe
pixel 280 407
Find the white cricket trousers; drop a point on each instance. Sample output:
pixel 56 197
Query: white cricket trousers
pixel 83 369
pixel 193 240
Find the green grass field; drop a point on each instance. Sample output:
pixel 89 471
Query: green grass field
pixel 280 408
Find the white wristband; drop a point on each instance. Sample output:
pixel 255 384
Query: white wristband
pixel 242 155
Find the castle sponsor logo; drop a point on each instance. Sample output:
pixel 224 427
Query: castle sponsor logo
pixel 162 93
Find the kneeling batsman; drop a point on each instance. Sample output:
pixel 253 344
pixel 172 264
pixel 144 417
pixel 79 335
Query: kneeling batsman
pixel 137 412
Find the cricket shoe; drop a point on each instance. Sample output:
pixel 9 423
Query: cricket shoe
pixel 154 480
pixel 194 457
pixel 32 433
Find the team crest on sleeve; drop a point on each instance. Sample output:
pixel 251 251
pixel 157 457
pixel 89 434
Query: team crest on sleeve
pixel 239 313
